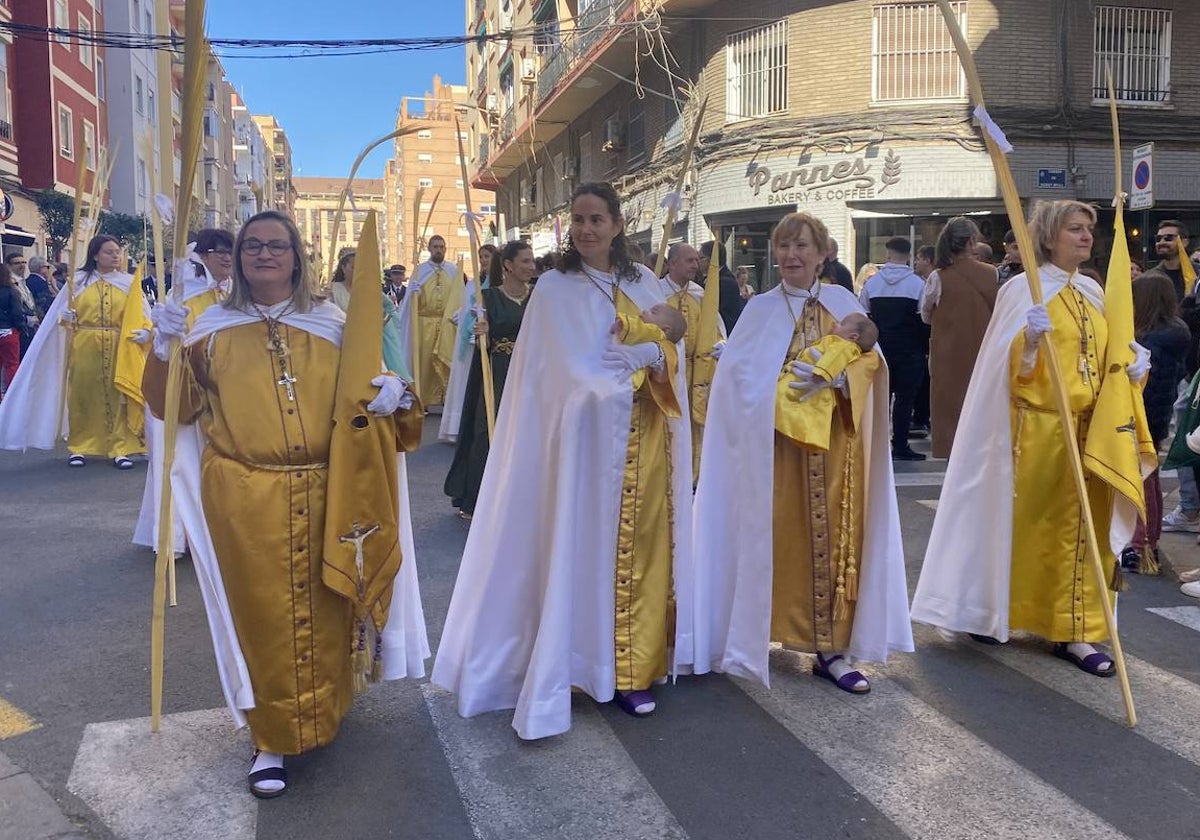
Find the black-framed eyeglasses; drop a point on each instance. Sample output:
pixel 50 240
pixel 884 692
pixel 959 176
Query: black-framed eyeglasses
pixel 277 247
pixel 220 252
pixel 1165 237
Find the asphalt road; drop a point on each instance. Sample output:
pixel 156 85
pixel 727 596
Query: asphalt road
pixel 957 740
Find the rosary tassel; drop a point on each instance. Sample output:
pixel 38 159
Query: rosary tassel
pixel 1149 563
pixel 361 661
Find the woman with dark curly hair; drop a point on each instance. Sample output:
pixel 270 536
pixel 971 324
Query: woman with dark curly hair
pixel 581 535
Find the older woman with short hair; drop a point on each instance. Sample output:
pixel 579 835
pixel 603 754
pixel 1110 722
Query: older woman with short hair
pixel 1007 552
pixel 801 544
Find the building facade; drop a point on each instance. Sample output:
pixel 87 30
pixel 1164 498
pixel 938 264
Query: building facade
pixel 251 161
pixel 21 227
pixel 316 210
pixel 282 194
pixel 58 116
pixel 131 90
pixel 220 195
pixel 873 135
pixel 424 177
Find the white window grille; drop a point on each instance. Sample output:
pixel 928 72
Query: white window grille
pixel 1136 44
pixel 756 72
pixel 912 55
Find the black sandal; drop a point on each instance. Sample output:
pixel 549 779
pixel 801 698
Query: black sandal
pixel 267 774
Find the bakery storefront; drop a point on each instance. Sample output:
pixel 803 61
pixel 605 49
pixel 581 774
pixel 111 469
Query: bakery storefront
pixel 865 197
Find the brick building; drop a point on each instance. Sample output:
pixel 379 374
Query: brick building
pixel 427 162
pixel 856 110
pixel 316 208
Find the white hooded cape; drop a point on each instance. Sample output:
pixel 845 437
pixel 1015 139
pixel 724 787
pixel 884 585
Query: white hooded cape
pixel 405 646
pixel 145 532
pixel 733 514
pixel 29 413
pixel 533 608
pixel 964 583
pixel 424 271
pixel 460 369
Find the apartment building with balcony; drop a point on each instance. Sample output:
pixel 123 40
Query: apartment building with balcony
pixel 316 210
pixel 855 110
pixel 424 176
pixel 216 162
pixel 251 162
pixel 58 115
pixel 282 193
pixel 23 215
pixel 128 82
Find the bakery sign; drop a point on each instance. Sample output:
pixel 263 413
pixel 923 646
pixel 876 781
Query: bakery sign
pixel 850 179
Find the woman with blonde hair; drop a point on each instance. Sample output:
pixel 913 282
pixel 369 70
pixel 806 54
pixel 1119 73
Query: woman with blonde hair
pixel 801 545
pixel 1006 551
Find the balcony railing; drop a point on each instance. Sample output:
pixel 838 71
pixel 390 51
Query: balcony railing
pixel 509 124
pixel 6 132
pixel 483 150
pixel 592 26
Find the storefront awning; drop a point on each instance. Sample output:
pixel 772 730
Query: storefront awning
pixel 925 207
pixel 17 237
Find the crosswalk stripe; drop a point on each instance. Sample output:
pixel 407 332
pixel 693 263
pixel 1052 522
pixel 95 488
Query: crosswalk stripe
pixel 1168 706
pixel 14 722
pixel 582 785
pixel 1187 616
pixel 911 762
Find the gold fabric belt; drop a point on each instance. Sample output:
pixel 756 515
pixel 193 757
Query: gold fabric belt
pixel 1022 405
pixel 100 328
pixel 504 345
pixel 286 467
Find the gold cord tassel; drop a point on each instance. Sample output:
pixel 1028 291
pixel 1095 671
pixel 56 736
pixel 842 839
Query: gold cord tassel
pixel 1118 583
pixel 847 571
pixel 1149 563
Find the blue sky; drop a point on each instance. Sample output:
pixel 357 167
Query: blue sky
pixel 331 107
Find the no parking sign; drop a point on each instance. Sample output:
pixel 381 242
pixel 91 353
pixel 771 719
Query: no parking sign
pixel 1142 196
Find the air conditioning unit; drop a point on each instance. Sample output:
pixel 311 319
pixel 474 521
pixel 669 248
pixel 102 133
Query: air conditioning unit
pixel 570 168
pixel 491 102
pixel 528 71
pixel 614 135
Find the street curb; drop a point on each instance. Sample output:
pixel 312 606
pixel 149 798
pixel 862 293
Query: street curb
pixel 27 811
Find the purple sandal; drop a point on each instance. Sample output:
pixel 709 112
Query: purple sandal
pixel 635 702
pixel 848 681
pixel 1090 663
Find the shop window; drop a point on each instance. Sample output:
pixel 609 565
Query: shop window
pixel 756 72
pixel 912 55
pixel 1136 44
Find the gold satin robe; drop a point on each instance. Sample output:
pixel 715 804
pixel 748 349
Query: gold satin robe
pixel 644 539
pixel 1053 591
pixel 432 373
pixel 263 483
pixel 689 307
pixel 817 513
pixel 97 411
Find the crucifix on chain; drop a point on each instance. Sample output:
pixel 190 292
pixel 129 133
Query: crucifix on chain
pixel 287 381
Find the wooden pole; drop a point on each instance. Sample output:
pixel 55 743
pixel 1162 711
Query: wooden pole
pixel 194 67
pixel 485 358
pixel 78 244
pixel 1012 204
pixel 673 208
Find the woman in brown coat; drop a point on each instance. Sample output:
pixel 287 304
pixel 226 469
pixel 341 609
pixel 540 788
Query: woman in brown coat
pixel 957 304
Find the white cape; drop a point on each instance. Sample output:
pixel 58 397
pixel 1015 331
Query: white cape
pixel 533 608
pixel 733 514
pixel 456 388
pixel 964 583
pixel 29 413
pixel 145 532
pixel 405 645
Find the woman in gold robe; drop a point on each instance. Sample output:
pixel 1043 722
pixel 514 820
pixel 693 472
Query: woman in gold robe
pixel 98 414
pixel 1008 551
pixel 579 542
pixel 260 379
pixel 802 544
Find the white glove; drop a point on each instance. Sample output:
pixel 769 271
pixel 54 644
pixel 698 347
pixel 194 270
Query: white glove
pixel 717 350
pixel 808 383
pixel 390 399
pixel 1037 324
pixel 1193 441
pixel 1139 368
pixel 68 316
pixel 627 359
pixel 140 336
pixel 170 322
